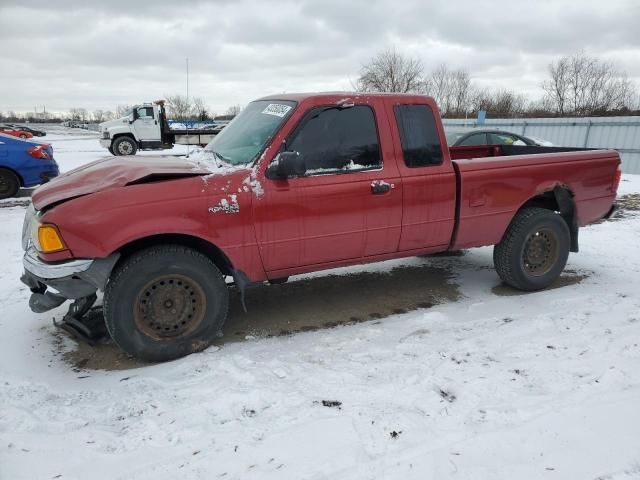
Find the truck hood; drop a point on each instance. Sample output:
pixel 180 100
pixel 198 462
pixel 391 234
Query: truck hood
pixel 113 123
pixel 113 172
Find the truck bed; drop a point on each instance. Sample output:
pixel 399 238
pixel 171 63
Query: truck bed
pixel 492 189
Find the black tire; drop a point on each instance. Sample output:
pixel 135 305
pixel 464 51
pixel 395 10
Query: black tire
pixel 157 321
pixel 124 146
pixel 23 136
pixel 534 250
pixel 110 150
pixel 9 183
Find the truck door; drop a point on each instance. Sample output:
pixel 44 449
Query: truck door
pixel 348 204
pixel 145 125
pixel 428 179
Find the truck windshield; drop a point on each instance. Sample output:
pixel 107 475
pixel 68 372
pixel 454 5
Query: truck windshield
pixel 240 142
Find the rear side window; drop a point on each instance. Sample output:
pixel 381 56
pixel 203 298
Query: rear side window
pixel 418 135
pixel 475 139
pixel 334 140
pixel 505 139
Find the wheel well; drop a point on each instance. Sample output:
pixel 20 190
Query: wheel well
pixel 119 135
pixel 18 176
pixel 216 255
pixel 560 199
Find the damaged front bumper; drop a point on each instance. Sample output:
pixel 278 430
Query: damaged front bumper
pixel 53 283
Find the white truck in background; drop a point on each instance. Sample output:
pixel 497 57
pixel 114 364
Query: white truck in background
pixel 145 127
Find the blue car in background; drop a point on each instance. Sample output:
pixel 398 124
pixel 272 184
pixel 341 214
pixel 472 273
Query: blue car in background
pixel 24 163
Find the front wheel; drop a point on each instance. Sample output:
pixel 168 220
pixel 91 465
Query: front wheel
pixel 534 250
pixel 165 302
pixel 23 136
pixel 124 146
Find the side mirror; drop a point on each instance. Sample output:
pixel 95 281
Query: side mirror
pixel 285 165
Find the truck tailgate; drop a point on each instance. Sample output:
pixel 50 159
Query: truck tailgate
pixel 492 190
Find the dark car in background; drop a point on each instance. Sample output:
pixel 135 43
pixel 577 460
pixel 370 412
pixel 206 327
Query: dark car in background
pixel 492 137
pixel 35 133
pixel 24 163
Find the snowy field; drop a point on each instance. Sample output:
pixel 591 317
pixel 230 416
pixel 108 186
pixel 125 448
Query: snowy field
pixel 493 385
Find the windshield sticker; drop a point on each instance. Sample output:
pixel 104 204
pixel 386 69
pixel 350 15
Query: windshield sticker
pixel 276 109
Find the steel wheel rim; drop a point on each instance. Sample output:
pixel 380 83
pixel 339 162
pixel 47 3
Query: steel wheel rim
pixel 541 252
pixel 125 148
pixel 169 307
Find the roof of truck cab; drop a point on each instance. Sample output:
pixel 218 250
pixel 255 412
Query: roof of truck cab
pixel 336 96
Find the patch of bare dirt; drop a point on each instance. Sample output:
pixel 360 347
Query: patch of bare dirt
pixel 569 277
pixel 300 306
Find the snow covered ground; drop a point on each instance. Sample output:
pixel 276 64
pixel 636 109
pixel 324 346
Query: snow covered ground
pixel 495 385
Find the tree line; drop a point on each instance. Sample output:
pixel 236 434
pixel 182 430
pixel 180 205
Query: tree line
pixel 577 85
pixel 179 107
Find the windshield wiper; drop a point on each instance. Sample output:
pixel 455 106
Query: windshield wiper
pixel 220 158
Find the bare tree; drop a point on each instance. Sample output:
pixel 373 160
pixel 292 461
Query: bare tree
pixel 108 115
pixel 179 106
pixel 200 109
pixel 499 103
pixel 461 91
pixel 233 110
pixel 451 89
pixel 557 87
pixel 390 71
pixel 585 85
pixel 438 86
pixel 98 116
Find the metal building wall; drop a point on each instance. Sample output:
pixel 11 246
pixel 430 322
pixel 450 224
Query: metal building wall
pixel 620 133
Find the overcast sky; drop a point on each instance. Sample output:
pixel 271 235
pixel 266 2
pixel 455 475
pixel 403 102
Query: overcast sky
pixel 69 53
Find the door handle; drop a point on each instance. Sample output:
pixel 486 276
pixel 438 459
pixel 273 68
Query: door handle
pixel 380 187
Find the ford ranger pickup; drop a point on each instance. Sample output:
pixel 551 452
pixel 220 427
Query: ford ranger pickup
pixel 297 183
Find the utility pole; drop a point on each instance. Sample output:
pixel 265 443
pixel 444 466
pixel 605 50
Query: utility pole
pixel 186 124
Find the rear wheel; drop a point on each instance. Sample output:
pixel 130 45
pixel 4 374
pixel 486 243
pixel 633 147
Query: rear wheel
pixel 534 249
pixel 124 146
pixel 9 183
pixel 165 302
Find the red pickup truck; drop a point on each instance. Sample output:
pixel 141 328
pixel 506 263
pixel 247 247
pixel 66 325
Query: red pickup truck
pixel 298 183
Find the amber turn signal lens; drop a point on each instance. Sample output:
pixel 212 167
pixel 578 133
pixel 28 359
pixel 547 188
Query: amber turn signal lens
pixel 49 239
